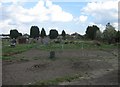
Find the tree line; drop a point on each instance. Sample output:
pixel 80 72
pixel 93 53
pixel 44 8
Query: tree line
pixel 109 35
pixel 35 33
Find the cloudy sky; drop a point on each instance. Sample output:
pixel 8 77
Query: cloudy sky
pixel 69 15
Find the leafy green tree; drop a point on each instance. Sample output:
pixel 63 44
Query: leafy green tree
pixel 63 34
pixel 34 32
pixel 91 32
pixel 43 33
pixel 14 33
pixel 53 34
pixel 109 33
pixel 118 36
pixel 99 35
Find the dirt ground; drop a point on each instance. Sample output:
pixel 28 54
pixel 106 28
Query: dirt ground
pixel 97 67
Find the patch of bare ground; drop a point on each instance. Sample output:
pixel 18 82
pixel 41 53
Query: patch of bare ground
pixel 89 63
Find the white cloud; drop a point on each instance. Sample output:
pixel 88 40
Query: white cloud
pixel 5 27
pixel 102 12
pixel 57 14
pixel 57 0
pixel 61 16
pixel 24 18
pixel 83 18
pixel 115 24
pixel 106 5
pixel 48 3
pixel 0 4
pixel 41 12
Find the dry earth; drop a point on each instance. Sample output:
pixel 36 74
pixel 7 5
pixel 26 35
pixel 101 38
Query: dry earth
pixel 96 67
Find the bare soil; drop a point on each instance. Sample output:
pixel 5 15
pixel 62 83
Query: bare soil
pixel 95 66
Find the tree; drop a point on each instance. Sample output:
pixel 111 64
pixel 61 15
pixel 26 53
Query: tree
pixel 14 33
pixel 43 33
pixel 109 33
pixel 118 36
pixel 91 32
pixel 99 35
pixel 63 34
pixel 34 32
pixel 53 34
pixel 20 34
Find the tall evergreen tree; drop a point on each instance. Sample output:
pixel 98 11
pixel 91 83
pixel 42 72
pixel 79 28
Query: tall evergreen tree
pixel 63 34
pixel 34 32
pixel 43 33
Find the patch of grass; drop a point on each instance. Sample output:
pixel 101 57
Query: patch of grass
pixel 8 58
pixel 56 81
pixel 56 47
pixel 8 51
pixel 80 45
pixel 106 46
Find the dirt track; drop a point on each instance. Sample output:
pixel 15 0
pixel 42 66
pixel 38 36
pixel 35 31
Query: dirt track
pixel 94 64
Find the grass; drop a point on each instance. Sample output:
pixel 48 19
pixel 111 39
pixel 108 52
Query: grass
pixel 56 81
pixel 12 58
pixel 82 45
pixel 59 47
pixel 8 58
pixel 7 50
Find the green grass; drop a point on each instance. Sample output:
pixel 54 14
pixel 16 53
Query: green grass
pixel 56 81
pixel 7 50
pixel 82 45
pixel 60 46
pixel 8 58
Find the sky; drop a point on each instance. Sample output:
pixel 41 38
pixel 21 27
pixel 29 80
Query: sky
pixel 69 15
